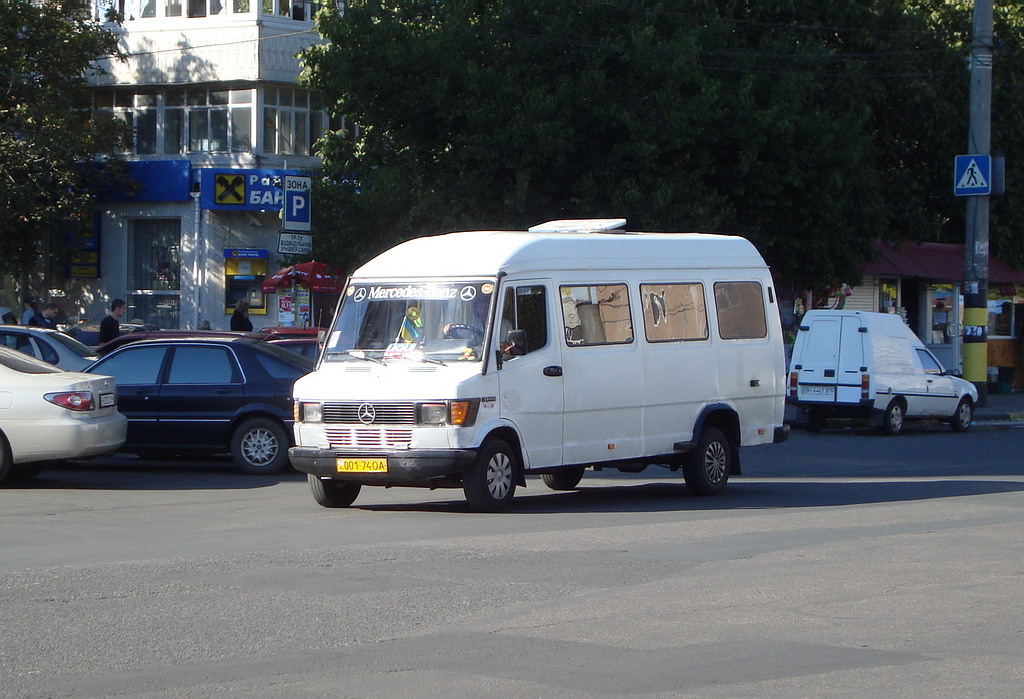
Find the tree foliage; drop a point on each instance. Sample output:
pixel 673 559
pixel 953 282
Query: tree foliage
pixel 48 140
pixel 811 128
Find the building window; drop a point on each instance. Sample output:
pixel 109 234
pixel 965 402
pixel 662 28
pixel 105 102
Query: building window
pixel 1005 312
pixel 154 272
pixel 292 121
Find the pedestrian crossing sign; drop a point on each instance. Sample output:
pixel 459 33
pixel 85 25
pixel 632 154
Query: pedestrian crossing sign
pixel 972 175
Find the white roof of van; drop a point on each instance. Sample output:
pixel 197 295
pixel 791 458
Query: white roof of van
pixel 485 253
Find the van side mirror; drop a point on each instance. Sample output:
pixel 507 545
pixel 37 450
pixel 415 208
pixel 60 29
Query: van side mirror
pixel 517 346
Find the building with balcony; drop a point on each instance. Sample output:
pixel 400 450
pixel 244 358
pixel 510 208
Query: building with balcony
pixel 210 91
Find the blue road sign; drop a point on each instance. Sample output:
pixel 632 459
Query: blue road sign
pixel 972 175
pixel 297 203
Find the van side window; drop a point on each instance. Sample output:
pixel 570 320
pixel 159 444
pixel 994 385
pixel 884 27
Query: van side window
pixel 525 308
pixel 674 312
pixel 596 315
pixel 740 308
pixel 928 362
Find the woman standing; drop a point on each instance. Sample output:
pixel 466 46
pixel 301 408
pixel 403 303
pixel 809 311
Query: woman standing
pixel 240 318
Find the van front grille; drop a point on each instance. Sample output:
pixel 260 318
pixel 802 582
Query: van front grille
pixel 369 413
pixel 368 438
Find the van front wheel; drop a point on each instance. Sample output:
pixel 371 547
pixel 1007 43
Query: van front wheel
pixel 707 471
pixel 328 493
pixel 963 416
pixel 490 482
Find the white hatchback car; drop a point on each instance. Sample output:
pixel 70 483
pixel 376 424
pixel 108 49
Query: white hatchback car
pixel 52 346
pixel 48 414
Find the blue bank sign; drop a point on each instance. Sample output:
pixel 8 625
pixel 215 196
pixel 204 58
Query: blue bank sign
pixel 243 190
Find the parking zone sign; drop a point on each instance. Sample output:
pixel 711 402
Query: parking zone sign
pixel 297 203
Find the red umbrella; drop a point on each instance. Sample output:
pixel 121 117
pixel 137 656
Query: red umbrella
pixel 318 278
pixel 315 276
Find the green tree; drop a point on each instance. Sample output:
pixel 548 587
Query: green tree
pixel 49 143
pixel 811 128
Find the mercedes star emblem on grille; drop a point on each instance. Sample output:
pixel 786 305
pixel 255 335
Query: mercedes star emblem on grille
pixel 366 414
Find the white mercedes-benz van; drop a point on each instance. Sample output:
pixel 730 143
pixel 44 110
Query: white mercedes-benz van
pixel 472 359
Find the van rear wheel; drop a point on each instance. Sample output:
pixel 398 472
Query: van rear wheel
pixel 892 419
pixel 707 471
pixel 564 478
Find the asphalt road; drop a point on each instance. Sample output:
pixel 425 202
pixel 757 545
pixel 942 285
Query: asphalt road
pixel 843 564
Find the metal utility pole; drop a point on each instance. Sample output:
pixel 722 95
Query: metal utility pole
pixel 979 142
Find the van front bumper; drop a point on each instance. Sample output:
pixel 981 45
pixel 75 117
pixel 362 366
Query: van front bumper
pixel 428 467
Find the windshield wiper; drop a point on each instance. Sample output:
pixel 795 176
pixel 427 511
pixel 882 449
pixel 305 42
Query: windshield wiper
pixel 360 354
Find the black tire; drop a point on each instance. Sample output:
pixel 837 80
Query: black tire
pixel 893 418
pixel 815 420
pixel 490 482
pixel 260 446
pixel 963 416
pixel 29 470
pixel 5 458
pixel 329 493
pixel 707 471
pixel 564 478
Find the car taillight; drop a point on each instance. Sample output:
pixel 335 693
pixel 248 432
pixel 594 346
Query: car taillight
pixel 792 383
pixel 80 401
pixel 865 386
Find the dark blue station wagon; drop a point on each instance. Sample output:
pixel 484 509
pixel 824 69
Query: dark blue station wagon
pixel 229 394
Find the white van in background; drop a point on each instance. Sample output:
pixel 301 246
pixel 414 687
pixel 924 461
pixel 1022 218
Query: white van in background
pixel 872 365
pixel 472 359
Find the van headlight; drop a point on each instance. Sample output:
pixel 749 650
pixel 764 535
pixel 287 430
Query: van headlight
pixel 458 413
pixel 311 412
pixel 433 413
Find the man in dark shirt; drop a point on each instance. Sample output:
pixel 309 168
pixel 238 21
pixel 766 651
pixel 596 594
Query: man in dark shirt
pixel 110 327
pixel 46 319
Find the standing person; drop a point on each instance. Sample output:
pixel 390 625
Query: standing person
pixel 110 327
pixel 240 318
pixel 31 309
pixel 46 319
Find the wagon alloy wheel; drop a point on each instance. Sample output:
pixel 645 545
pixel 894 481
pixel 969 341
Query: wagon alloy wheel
pixel 892 420
pixel 490 482
pixel 963 416
pixel 260 446
pixel 707 471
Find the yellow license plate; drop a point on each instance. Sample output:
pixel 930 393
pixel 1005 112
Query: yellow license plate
pixel 362 465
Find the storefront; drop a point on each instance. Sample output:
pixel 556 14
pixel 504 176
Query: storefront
pixel 183 248
pixel 922 282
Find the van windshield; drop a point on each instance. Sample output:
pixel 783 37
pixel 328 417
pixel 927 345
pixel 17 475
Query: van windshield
pixel 435 321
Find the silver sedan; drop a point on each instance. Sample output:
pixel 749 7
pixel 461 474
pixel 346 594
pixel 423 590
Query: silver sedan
pixel 47 414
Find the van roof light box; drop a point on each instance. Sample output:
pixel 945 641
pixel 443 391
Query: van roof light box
pixel 580 225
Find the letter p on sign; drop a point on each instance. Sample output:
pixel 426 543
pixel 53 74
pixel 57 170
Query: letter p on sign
pixel 297 203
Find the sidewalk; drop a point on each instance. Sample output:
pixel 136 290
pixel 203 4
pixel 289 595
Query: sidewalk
pixel 1001 408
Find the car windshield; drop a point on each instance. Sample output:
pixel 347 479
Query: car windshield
pixel 12 359
pixel 432 321
pixel 74 345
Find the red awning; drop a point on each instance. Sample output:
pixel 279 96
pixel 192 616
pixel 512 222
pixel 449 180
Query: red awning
pixel 943 262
